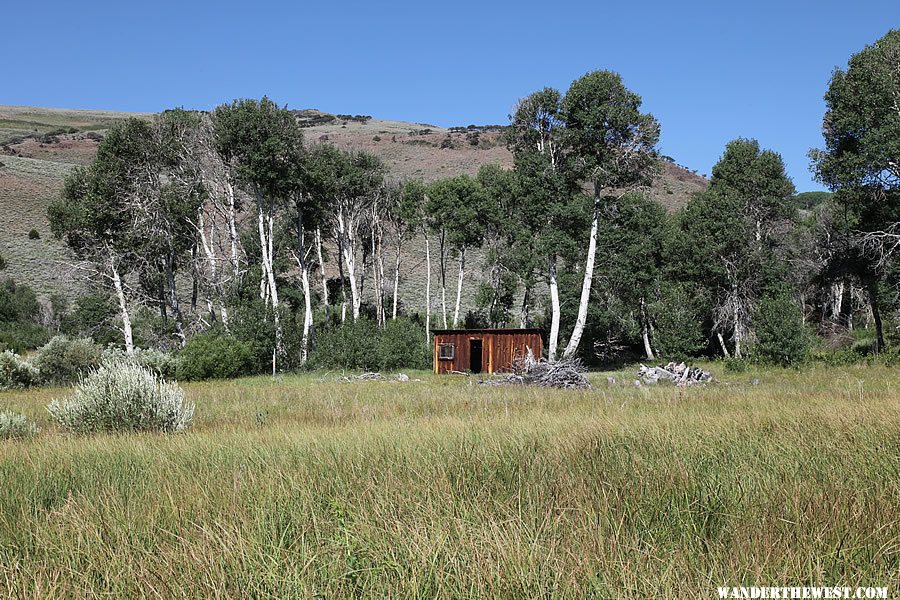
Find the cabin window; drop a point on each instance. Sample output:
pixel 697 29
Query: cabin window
pixel 446 351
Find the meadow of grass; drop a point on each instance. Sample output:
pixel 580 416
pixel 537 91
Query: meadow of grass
pixel 305 486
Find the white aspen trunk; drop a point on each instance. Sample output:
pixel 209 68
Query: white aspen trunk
pixel 307 302
pixel 212 260
pixel 350 262
pixel 459 283
pixel 396 280
pixel 123 307
pixel 837 295
pixel 266 225
pixel 738 334
pixel 443 282
pixel 722 345
pixel 427 286
pixel 553 342
pixel 381 294
pixel 232 231
pixel 322 267
pixel 581 320
pixel 308 313
pixel 301 258
pixel 645 332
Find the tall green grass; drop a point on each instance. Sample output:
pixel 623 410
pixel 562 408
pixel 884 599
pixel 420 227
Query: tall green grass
pixel 443 488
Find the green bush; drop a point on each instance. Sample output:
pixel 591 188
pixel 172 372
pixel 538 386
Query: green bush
pixel 840 358
pixel 163 364
pixel 212 356
pixel 20 337
pixel 736 365
pixel 15 426
pixel 679 323
pixel 402 346
pixel 16 372
pixel 782 337
pixel 94 315
pixel 362 345
pixel 18 303
pixel 64 360
pixel 34 235
pixel 123 397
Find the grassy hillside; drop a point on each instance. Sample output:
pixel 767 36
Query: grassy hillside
pixel 442 488
pixel 38 146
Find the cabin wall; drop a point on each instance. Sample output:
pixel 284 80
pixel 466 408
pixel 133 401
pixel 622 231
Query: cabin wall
pixel 499 350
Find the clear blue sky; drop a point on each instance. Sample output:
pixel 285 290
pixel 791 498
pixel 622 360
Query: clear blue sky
pixel 709 71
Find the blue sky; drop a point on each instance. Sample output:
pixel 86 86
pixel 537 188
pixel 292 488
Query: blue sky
pixel 709 71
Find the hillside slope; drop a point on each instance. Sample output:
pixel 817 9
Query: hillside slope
pixel 38 146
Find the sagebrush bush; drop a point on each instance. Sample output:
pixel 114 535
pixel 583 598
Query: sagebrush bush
pixel 161 363
pixel 211 356
pixel 64 360
pixel 16 372
pixel 123 397
pixel 15 426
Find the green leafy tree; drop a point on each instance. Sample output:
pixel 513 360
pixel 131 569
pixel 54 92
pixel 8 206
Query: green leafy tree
pixel 460 212
pixel 782 337
pixel 262 144
pixel 633 245
pixel 96 211
pixel 860 161
pixel 546 206
pixel 732 236
pixel 405 210
pixel 612 146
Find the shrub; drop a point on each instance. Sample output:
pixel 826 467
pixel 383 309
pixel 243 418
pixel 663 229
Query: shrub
pixel 163 364
pixel 123 397
pixel 16 373
pixel 211 356
pixel 736 365
pixel 402 346
pixel 94 315
pixel 2 263
pixel 34 235
pixel 15 426
pixel 679 323
pixel 18 303
pixel 63 360
pixel 840 358
pixel 362 345
pixel 20 337
pixel 782 338
pixel 351 345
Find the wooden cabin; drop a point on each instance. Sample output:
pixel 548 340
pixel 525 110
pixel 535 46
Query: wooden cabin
pixel 483 350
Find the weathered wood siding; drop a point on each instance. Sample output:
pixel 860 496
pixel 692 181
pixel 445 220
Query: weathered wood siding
pixel 499 348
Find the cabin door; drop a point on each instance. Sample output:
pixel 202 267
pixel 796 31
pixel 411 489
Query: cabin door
pixel 475 356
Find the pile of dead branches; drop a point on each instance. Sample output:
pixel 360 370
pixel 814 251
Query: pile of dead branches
pixel 566 374
pixel 677 373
